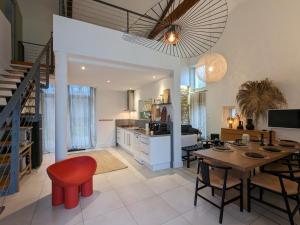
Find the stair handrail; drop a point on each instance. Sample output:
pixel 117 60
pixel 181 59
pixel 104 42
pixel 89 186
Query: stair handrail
pixel 15 99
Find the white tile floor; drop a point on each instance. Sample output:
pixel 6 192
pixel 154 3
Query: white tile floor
pixel 133 196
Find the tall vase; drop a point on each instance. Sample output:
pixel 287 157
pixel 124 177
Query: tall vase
pixel 240 126
pixel 250 125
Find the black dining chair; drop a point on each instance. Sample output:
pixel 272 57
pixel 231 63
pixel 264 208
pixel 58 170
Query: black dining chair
pixel 284 164
pixel 283 181
pixel 217 177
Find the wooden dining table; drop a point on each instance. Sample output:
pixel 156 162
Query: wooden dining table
pixel 241 164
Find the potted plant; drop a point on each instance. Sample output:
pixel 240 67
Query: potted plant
pixel 256 97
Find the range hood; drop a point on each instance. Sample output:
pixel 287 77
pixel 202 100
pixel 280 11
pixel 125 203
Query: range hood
pixel 130 101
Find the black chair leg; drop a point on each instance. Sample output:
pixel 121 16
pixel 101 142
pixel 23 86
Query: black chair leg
pixel 222 206
pixel 196 191
pixel 261 193
pixel 298 202
pixel 288 208
pixel 248 195
pixel 212 191
pixel 241 196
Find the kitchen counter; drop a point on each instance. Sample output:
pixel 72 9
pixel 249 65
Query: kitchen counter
pixel 153 151
pixel 142 131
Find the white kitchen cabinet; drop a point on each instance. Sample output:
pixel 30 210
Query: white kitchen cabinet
pixel 125 138
pixel 119 131
pixel 152 151
pixel 129 140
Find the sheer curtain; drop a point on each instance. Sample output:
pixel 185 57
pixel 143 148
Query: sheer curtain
pixel 48 108
pixel 198 111
pixel 81 118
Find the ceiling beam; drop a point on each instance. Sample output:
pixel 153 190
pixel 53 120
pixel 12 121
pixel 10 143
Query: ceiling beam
pixel 163 15
pixel 181 9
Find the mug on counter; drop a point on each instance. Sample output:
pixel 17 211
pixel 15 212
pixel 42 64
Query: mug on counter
pixel 245 139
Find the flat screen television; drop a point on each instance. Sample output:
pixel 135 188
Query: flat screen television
pixel 285 118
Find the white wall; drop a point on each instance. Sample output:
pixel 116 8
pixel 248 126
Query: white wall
pixel 74 37
pixel 5 42
pixel 261 40
pixel 37 19
pixel 110 105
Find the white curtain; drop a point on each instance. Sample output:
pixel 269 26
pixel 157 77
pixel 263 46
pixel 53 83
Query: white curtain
pixel 81 118
pixel 198 111
pixel 48 108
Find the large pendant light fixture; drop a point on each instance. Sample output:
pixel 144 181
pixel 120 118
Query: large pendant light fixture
pixel 171 37
pixel 181 28
pixel 211 67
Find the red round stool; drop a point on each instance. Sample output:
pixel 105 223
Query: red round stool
pixel 71 177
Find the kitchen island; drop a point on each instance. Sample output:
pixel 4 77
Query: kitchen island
pixel 153 151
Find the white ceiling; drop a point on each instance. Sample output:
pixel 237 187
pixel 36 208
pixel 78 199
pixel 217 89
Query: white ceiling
pixel 142 6
pixel 122 77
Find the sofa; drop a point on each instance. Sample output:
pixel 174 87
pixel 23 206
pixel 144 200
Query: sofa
pixel 189 135
pixel 188 129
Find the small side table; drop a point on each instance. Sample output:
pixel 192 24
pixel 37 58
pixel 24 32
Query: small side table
pixel 189 150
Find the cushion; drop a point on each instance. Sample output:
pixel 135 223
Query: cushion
pixel 272 182
pixel 216 177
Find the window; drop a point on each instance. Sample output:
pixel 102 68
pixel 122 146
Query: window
pixel 196 83
pixel 198 101
pixel 81 117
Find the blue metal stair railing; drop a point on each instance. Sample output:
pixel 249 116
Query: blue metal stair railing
pixel 11 118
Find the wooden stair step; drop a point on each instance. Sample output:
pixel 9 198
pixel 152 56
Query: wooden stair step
pixel 5 93
pixel 24 68
pixel 8 88
pixel 5 96
pixel 25 64
pixel 12 76
pixel 3 101
pixel 9 82
pixel 22 71
pixel 15 71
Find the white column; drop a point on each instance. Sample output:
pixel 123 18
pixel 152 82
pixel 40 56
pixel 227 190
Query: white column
pixel 176 119
pixel 61 102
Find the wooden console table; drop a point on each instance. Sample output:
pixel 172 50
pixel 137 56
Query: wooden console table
pixel 228 134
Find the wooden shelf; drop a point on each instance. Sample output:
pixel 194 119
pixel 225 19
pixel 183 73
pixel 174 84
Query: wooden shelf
pixel 4 182
pixel 22 147
pixel 23 127
pixel 5 160
pixel 26 170
pixel 25 147
pixel 169 103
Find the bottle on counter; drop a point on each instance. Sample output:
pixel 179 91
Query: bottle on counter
pixel 147 130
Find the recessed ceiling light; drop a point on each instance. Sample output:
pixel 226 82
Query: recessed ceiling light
pixel 83 68
pixel 130 88
pixel 154 77
pixel 108 81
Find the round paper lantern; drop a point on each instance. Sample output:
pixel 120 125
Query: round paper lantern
pixel 211 67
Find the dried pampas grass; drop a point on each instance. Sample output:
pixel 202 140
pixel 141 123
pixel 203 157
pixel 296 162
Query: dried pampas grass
pixel 256 97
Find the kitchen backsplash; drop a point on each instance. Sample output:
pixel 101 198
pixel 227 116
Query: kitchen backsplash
pixel 131 122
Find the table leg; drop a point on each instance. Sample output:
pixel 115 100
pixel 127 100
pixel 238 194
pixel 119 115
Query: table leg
pixel 244 176
pixel 188 159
